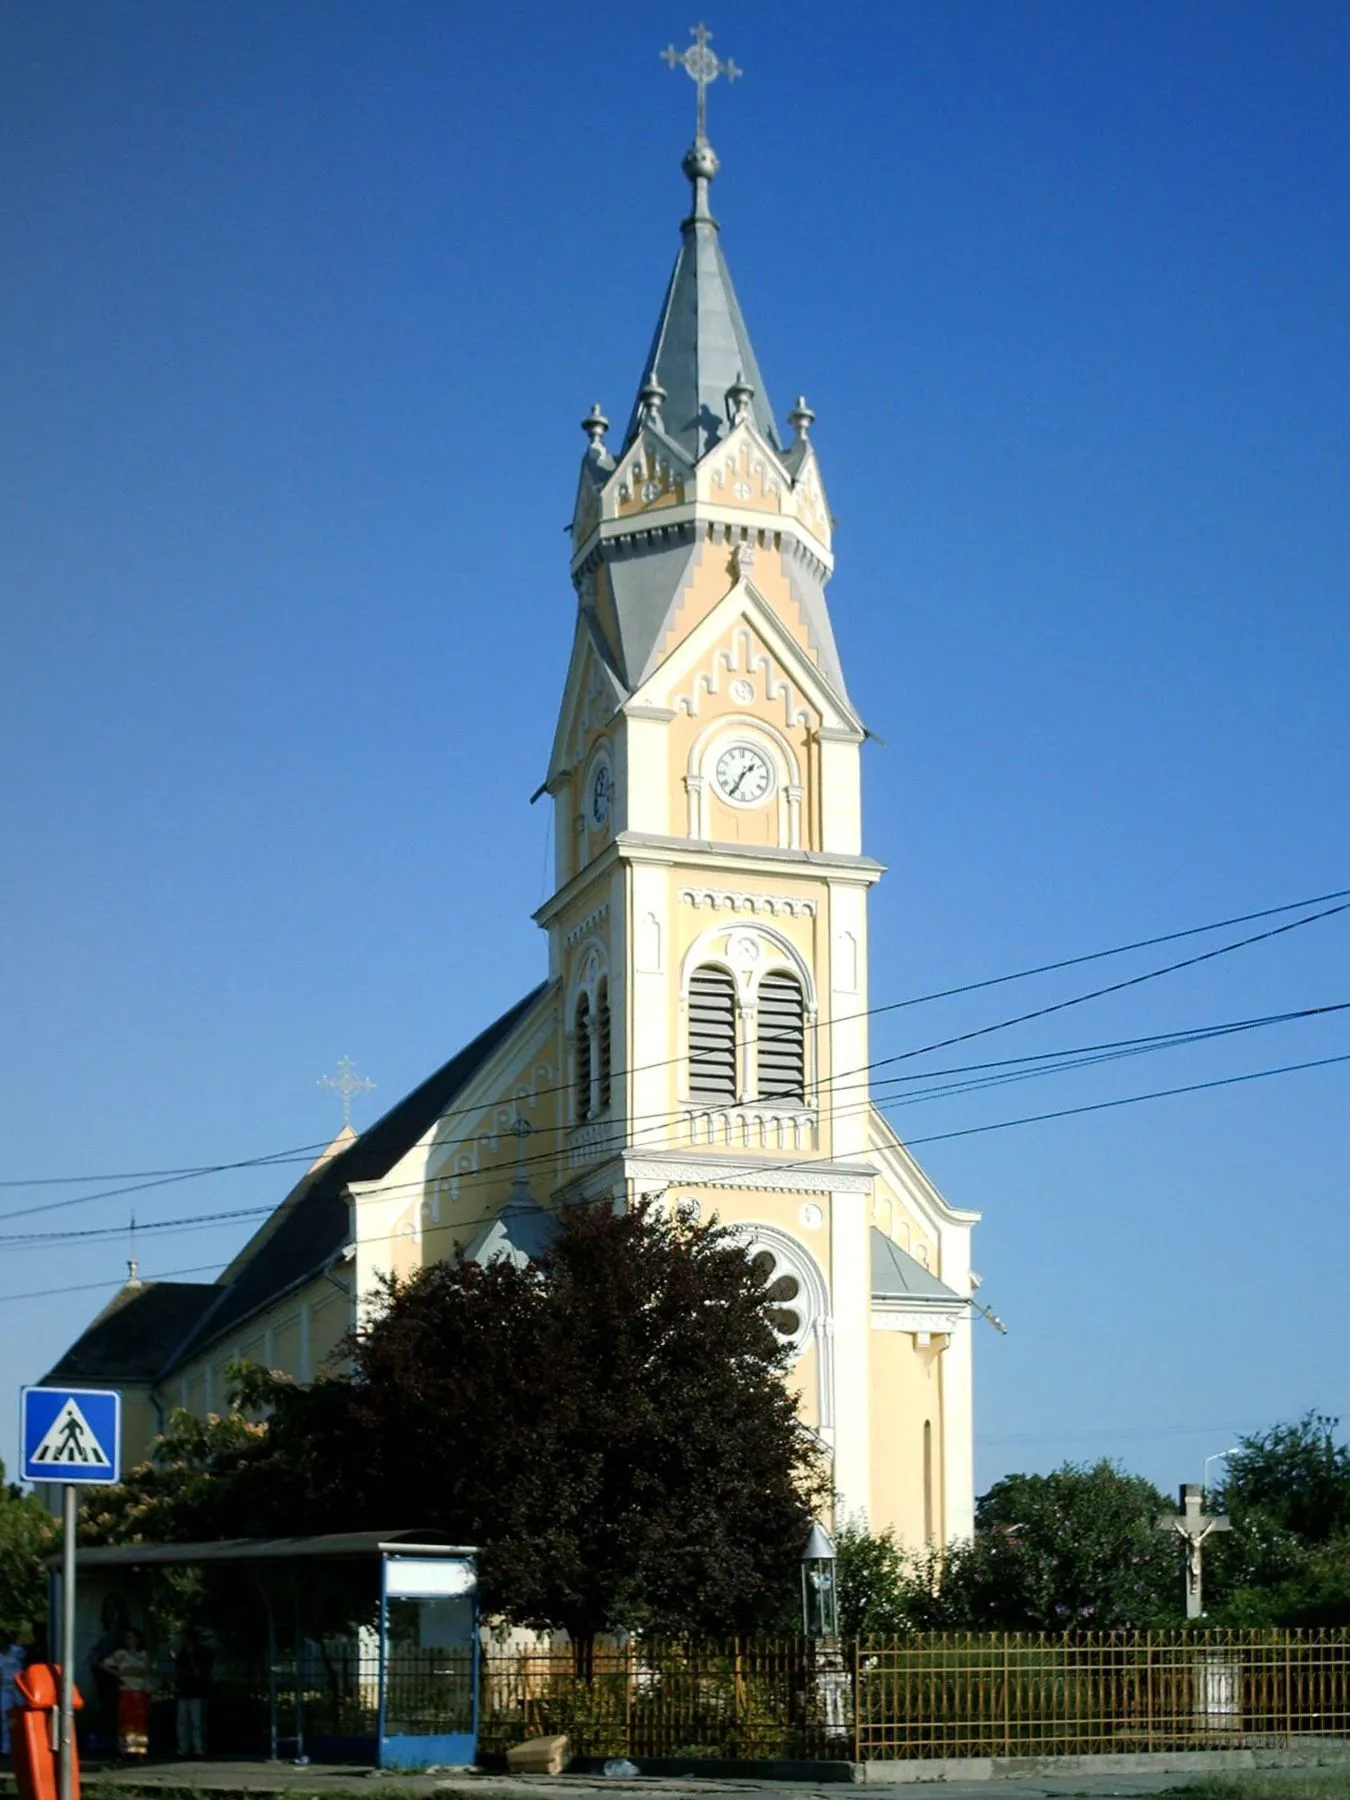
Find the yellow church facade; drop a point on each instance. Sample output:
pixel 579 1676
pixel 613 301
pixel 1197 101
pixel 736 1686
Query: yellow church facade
pixel 701 1038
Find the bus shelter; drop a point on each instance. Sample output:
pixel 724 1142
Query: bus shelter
pixel 358 1646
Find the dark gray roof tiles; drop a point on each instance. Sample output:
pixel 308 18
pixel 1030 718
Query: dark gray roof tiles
pixel 896 1275
pixel 315 1225
pixel 136 1333
pixel 700 347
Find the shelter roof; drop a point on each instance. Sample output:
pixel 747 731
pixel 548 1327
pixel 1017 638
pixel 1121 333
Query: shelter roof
pixel 344 1545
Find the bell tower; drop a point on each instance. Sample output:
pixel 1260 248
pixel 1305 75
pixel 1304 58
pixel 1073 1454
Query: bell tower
pixel 708 932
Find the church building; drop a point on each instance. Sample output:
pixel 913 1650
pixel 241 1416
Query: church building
pixel 701 1034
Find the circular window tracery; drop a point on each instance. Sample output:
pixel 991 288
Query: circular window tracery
pixel 793 1283
pixel 782 1288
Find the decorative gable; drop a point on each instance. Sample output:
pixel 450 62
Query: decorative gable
pixel 652 476
pixel 743 472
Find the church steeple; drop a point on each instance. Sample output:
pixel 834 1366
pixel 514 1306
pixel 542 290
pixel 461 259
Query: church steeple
pixel 701 347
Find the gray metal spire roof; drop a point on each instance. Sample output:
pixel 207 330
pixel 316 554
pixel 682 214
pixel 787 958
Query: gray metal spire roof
pixel 701 346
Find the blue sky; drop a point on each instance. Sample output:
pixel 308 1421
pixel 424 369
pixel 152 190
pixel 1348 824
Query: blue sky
pixel 302 305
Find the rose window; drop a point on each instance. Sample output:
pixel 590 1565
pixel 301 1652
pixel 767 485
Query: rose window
pixel 783 1290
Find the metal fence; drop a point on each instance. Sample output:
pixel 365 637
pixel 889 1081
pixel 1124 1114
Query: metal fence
pixel 744 1700
pixel 1028 1695
pixel 943 1695
pixel 948 1694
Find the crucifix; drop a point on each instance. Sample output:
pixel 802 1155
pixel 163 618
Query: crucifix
pixel 702 67
pixel 346 1083
pixel 1193 1525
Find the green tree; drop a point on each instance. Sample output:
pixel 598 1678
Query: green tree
pixel 1073 1550
pixel 886 1589
pixel 1287 1559
pixel 1295 1476
pixel 609 1425
pixel 27 1537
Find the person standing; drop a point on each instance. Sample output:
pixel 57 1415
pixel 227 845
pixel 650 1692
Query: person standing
pixel 135 1678
pixel 13 1657
pixel 192 1682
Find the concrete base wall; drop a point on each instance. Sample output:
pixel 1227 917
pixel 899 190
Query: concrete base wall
pixel 1311 1754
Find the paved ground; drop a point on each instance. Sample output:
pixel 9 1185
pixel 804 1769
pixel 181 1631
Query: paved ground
pixel 221 1779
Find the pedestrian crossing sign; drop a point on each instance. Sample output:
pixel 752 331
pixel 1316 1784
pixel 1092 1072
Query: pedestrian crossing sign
pixel 71 1434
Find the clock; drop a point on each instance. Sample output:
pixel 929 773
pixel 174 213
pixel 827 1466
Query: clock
pixel 602 793
pixel 743 774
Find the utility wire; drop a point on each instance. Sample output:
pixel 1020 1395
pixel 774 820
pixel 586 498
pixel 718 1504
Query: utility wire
pixel 712 1179
pixel 823 1084
pixel 971 987
pixel 1069 1112
pixel 460 1225
pixel 1051 1063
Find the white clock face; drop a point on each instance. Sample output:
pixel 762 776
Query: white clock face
pixel 743 774
pixel 602 793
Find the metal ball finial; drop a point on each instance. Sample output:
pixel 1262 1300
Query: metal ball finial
pixel 595 425
pixel 738 397
pixel 801 418
pixel 651 398
pixel 700 162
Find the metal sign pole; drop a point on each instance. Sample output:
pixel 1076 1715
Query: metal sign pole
pixel 67 1731
pixel 74 1436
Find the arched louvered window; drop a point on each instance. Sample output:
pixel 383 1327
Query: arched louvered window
pixel 602 1047
pixel 712 1037
pixel 782 1038
pixel 583 1053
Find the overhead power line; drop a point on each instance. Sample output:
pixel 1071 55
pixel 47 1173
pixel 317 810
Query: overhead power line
pixel 193 1171
pixel 46 1240
pixel 1050 1062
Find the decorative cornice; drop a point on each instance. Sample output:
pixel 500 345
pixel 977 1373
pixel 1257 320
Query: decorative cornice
pixel 766 859
pixel 723 1171
pixel 923 1315
pixel 645 531
pixel 592 922
pixel 724 899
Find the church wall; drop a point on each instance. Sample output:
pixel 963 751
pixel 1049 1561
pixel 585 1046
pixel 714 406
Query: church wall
pixel 140 1426
pixel 893 1216
pixel 907 1439
pixel 714 572
pixel 805 1220
pixel 298 1336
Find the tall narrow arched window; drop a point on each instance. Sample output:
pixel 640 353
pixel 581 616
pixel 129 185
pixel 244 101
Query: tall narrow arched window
pixel 582 1033
pixel 782 1038
pixel 712 1036
pixel 602 1048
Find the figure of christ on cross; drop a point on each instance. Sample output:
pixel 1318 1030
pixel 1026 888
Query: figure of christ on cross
pixel 1193 1525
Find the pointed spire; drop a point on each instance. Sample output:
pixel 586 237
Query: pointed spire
pixel 701 345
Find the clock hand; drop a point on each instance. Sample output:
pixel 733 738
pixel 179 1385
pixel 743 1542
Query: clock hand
pixel 735 788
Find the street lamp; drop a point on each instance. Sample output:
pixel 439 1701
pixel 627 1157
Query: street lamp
pixel 1218 1456
pixel 820 1594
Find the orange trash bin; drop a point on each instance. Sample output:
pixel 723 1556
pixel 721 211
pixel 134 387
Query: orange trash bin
pixel 31 1733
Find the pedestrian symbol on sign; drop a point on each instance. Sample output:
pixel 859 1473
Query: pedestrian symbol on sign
pixel 69 1442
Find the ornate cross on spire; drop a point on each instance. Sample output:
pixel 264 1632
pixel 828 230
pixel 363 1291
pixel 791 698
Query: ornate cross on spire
pixel 703 68
pixel 346 1083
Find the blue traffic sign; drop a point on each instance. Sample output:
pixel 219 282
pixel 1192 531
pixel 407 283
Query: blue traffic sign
pixel 71 1434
